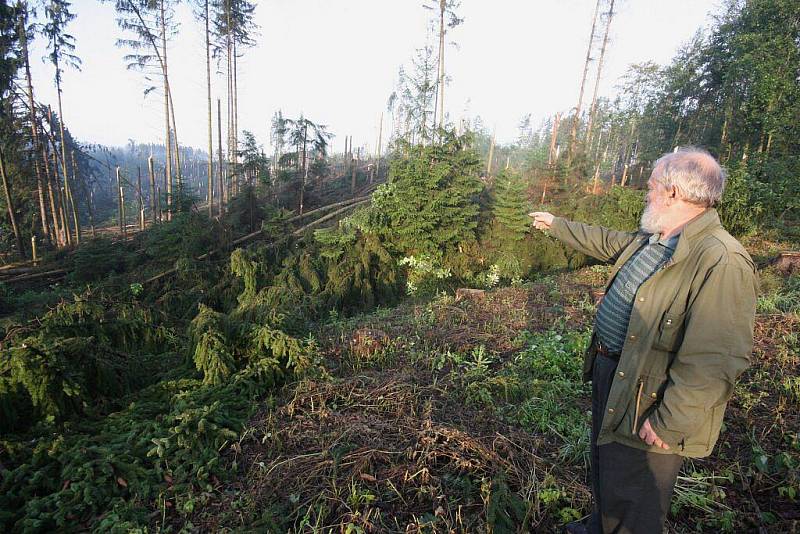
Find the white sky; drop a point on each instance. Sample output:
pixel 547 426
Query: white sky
pixel 337 61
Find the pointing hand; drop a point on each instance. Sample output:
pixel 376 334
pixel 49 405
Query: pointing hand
pixel 542 219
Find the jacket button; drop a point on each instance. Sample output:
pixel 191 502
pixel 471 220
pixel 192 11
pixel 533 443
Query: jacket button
pixel 633 337
pixel 611 410
pixel 621 374
pixel 653 395
pixel 669 321
pixel 641 299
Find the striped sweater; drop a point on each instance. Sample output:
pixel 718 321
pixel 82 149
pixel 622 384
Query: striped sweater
pixel 614 313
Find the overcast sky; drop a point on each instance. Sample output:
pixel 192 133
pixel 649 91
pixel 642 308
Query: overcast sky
pixel 336 61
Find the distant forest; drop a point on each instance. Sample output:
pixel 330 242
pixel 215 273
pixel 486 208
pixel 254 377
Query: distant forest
pixel 733 90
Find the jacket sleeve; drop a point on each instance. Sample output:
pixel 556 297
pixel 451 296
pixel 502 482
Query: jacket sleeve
pixel 716 348
pixel 595 241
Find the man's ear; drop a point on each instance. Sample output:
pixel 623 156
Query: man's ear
pixel 673 193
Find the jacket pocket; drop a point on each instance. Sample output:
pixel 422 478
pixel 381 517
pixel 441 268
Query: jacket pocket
pixel 648 394
pixel 670 332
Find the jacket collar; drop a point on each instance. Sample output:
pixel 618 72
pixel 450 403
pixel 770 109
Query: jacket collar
pixel 709 219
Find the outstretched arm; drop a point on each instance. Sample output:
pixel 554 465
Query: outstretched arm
pixel 595 241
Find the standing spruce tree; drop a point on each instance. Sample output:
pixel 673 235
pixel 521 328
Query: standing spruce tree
pixel 429 207
pixel 510 225
pixel 417 93
pixel 509 206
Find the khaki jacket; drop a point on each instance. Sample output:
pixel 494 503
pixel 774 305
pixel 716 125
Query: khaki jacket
pixel 690 334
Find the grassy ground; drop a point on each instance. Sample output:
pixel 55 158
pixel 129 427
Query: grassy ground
pixel 470 416
pixel 439 415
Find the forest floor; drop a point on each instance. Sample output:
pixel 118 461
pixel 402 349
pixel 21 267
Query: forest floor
pixel 443 414
pixel 470 416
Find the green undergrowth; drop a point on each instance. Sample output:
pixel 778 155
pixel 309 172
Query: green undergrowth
pixel 160 453
pixel 779 294
pixel 539 388
pixel 92 452
pixel 80 357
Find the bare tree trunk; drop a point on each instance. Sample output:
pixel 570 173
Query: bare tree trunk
pixel 57 229
pixel 551 154
pixel 87 196
pixel 167 135
pixel 75 215
pixel 32 109
pixel 60 201
pixel 67 188
pixel 440 98
pixel 235 105
pixel 120 213
pixel 232 171
pixel 304 169
pixel 10 206
pixel 178 170
pixel 490 158
pixel 219 167
pixel 593 109
pixel 139 194
pixel 380 138
pixel 153 195
pixel 576 119
pixel 353 169
pixel 210 120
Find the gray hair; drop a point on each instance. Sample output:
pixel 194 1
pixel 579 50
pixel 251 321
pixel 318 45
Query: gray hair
pixel 694 173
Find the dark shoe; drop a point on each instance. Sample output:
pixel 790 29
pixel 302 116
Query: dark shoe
pixel 575 528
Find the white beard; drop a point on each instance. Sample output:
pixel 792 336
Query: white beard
pixel 651 221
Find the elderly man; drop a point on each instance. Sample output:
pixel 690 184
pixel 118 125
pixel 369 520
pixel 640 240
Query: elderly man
pixel 671 335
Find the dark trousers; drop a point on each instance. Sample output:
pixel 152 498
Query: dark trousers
pixel 632 488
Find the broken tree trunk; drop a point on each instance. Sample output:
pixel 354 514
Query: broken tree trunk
pixel 10 206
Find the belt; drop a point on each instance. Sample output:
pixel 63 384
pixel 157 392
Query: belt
pixel 603 350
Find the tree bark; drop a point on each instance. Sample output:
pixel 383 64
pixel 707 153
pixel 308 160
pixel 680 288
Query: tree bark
pixel 380 138
pixel 576 119
pixel 60 200
pixel 87 196
pixel 490 158
pixel 551 159
pixel 442 7
pixel 23 37
pixel 304 169
pixel 219 167
pixel 58 235
pixel 139 195
pixel 167 134
pixel 178 169
pixel 67 188
pixel 120 222
pixel 153 195
pixel 210 186
pixel 593 110
pixel 10 205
